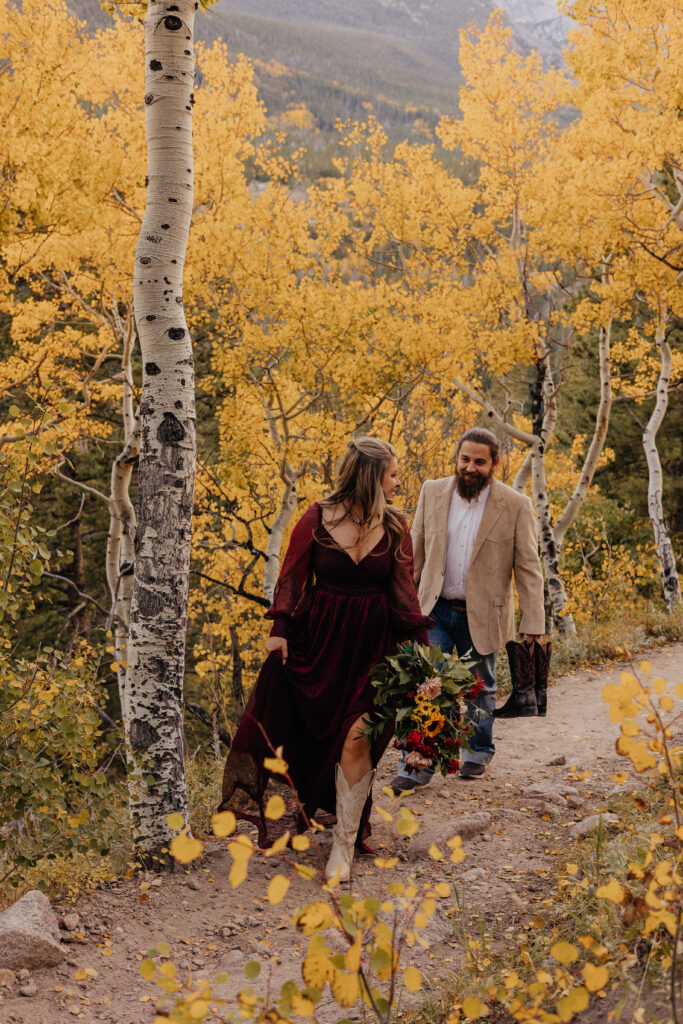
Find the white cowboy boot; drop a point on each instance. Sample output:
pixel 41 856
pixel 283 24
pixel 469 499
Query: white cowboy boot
pixel 350 804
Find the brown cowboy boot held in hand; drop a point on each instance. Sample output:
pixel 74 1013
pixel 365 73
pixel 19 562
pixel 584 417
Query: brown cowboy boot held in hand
pixel 522 701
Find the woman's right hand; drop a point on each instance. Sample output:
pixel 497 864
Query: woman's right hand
pixel 277 643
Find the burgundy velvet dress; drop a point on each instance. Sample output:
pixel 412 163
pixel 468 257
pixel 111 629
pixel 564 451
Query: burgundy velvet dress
pixel 340 619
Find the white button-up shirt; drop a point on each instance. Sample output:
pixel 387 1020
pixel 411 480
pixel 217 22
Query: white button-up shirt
pixel 464 518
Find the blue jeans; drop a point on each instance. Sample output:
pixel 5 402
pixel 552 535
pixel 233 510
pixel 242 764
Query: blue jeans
pixel 452 631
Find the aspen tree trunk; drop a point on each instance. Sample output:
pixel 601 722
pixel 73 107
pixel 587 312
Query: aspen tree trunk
pixel 667 560
pixel 573 506
pixel 120 556
pixel 158 614
pixel 288 505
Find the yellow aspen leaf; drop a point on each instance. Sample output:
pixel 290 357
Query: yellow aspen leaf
pixel 407 826
pixel 645 667
pixel 473 1008
pixel 576 1002
pixel 147 969
pixel 659 685
pixel 619 777
pixel 587 941
pixel 429 907
pixel 667 703
pixel 571 869
pixel 306 871
pixel 435 853
pixel 316 917
pixel 421 920
pixel 168 970
pixel 277 889
pixel 345 988
pixel 386 862
pixel 300 843
pixel 512 979
pixel 278 846
pixel 630 728
pixel 544 977
pixel 412 979
pixel 612 891
pixel 175 821
pixel 678 690
pixel 641 758
pixel 275 808
pixel 185 848
pixel 353 953
pixel 564 952
pixel 302 1006
pixel 442 889
pixel 199 1008
pixel 276 765
pixel 241 849
pixel 317 970
pixel 595 976
pixel 81 975
pixel 384 815
pixel 457 856
pixel 223 823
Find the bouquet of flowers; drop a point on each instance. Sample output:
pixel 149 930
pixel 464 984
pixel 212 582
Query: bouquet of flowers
pixel 424 690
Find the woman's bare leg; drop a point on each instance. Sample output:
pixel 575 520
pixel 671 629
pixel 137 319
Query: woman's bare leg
pixel 355 756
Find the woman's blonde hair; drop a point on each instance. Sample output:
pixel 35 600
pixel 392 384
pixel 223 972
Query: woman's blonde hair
pixel 358 484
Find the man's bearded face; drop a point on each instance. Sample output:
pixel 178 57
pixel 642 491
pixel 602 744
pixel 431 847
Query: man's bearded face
pixel 473 469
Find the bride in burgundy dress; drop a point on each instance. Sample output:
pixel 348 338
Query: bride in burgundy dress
pixel 344 600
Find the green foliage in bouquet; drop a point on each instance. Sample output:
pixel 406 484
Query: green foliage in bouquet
pixel 424 690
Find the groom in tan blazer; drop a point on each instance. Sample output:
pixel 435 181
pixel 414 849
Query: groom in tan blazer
pixel 470 534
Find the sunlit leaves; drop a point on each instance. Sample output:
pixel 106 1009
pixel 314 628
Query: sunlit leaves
pixel 241 850
pixel 185 848
pixel 595 976
pixel 612 891
pixel 277 889
pixel 223 823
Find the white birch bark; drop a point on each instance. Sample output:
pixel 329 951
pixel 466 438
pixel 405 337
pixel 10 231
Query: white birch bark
pixel 655 488
pixel 158 617
pixel 573 506
pixel 120 556
pixel 288 506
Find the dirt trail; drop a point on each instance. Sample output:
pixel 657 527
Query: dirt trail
pixel 513 841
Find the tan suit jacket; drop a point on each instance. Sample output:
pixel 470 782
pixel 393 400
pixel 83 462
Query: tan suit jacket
pixel 506 542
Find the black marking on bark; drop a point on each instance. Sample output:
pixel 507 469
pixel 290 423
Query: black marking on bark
pixel 171 200
pixel 150 317
pixel 182 382
pixel 179 483
pixel 174 261
pixel 165 227
pixel 156 65
pixel 192 99
pixel 153 238
pixel 170 430
pixel 142 735
pixel 169 78
pixel 146 180
pixel 166 280
pixel 173 7
pixel 145 260
pixel 178 404
pixel 179 299
pixel 151 369
pixel 172 23
pixel 176 333
pixel 188 53
pixel 149 99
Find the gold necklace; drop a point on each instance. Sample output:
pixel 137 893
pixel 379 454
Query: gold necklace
pixel 354 519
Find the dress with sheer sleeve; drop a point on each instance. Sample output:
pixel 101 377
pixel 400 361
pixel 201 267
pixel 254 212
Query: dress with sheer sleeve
pixel 340 618
pixel 296 574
